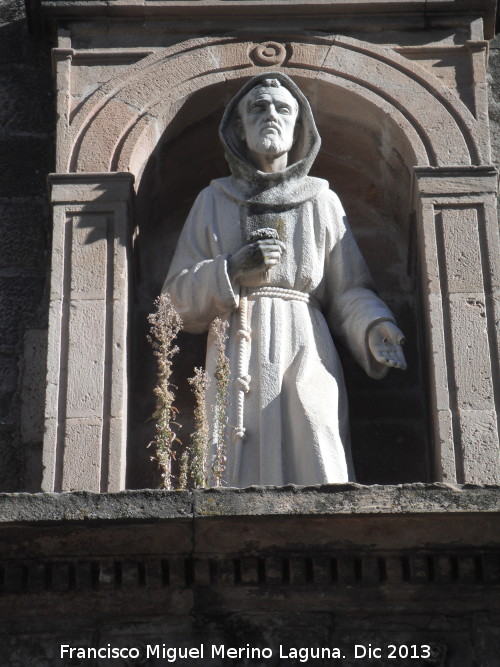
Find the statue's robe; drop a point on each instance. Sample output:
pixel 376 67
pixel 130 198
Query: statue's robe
pixel 295 412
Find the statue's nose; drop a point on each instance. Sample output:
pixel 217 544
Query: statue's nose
pixel 271 112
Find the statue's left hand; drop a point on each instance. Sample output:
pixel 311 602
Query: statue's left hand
pixel 385 341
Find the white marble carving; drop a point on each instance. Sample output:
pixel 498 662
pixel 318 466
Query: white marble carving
pixel 269 249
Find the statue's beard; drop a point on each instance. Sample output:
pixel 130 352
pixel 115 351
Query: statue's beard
pixel 272 145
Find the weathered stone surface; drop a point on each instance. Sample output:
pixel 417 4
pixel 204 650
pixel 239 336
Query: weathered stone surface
pixel 459 241
pixel 11 11
pixel 352 14
pixel 20 298
pixel 11 460
pixel 33 385
pixel 155 568
pixel 81 462
pixel 26 148
pixel 24 234
pixel 85 436
pixel 19 86
pixel 479 439
pixel 472 366
pixel 85 506
pixel 34 160
pixel 494 97
pixel 8 386
pixel 84 397
pixel 32 453
pixel 345 499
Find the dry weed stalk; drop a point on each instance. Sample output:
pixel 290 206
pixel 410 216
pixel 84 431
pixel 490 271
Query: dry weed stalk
pixel 222 377
pixel 200 437
pixel 184 470
pixel 165 325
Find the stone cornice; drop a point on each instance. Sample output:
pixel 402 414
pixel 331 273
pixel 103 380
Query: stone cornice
pixel 42 13
pixel 342 547
pixel 329 500
pixel 88 186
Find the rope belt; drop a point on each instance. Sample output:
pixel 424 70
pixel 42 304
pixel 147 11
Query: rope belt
pixel 282 293
pixel 242 382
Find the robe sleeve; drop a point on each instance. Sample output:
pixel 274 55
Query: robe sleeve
pixel 351 305
pixel 198 281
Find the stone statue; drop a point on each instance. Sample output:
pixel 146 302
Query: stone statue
pixel 269 250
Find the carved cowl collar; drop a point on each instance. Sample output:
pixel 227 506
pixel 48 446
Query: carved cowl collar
pixel 280 190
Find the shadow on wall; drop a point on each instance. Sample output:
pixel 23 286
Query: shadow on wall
pixel 26 156
pixel 367 162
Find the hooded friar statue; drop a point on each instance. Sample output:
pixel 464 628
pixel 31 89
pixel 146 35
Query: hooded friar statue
pixel 269 250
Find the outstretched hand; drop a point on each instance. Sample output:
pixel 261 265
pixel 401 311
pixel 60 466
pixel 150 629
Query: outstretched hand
pixel 385 341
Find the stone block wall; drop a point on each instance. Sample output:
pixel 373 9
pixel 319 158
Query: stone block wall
pixel 494 100
pixel 27 121
pixel 309 568
pixel 402 565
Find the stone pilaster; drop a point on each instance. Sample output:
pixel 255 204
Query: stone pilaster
pixel 460 285
pixel 86 401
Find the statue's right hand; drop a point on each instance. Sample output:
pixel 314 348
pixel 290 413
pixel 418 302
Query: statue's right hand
pixel 258 256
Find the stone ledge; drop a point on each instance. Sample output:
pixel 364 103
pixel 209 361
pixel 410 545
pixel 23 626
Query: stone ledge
pixel 175 7
pixel 222 551
pixel 328 500
pixel 50 11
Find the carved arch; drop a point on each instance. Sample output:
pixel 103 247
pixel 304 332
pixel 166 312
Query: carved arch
pixel 126 116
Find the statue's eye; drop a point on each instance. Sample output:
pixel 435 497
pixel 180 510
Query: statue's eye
pixel 257 108
pixel 284 109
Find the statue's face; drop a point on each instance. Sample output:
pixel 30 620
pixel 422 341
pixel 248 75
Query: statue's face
pixel 268 116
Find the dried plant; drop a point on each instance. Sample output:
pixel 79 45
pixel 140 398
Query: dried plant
pixel 165 325
pixel 222 377
pixel 200 437
pixel 184 470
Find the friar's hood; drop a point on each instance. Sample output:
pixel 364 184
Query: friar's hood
pixel 285 188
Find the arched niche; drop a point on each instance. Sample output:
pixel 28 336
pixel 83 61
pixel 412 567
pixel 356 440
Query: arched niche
pixel 126 116
pixel 368 161
pixel 383 118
